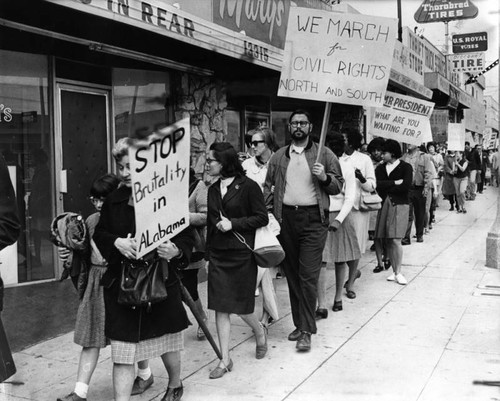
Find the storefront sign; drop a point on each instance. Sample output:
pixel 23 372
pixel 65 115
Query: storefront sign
pixel 467 62
pixel 159 167
pixel 456 136
pixel 410 84
pixel 470 42
pixel 445 10
pixel 339 58
pixel 263 20
pixel 164 19
pixel 402 118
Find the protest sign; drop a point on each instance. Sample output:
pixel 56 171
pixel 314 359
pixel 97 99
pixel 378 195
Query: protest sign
pixel 456 136
pixel 338 58
pixel 403 118
pixel 159 168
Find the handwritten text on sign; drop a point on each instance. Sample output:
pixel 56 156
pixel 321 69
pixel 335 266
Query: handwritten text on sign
pixel 403 118
pixel 338 58
pixel 160 184
pixel 456 136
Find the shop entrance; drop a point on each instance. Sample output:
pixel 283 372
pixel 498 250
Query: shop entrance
pixel 84 137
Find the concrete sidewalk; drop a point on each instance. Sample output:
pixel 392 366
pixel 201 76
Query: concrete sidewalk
pixel 427 341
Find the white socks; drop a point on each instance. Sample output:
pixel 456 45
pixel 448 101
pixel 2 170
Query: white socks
pixel 81 389
pixel 144 374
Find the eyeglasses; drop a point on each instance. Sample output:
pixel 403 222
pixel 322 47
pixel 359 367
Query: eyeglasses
pixel 302 124
pixel 208 161
pixel 256 143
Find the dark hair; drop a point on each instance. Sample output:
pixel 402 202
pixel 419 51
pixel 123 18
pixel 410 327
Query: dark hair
pixel 300 111
pixel 226 155
pixel 467 143
pixel 431 144
pixel 375 144
pixel 104 185
pixel 393 147
pixel 269 137
pixel 354 138
pixel 336 143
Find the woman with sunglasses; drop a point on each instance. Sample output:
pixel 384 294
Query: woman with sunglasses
pixel 263 144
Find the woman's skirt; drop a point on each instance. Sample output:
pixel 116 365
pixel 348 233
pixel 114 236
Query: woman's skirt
pixel 90 318
pixel 129 353
pixel 361 221
pixel 448 186
pixel 232 277
pixel 392 220
pixel 341 245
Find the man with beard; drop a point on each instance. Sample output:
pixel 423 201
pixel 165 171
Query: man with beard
pixel 297 190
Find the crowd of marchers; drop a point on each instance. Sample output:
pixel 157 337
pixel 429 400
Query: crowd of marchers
pixel 327 204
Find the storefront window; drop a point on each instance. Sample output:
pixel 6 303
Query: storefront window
pixel 26 144
pixel 143 101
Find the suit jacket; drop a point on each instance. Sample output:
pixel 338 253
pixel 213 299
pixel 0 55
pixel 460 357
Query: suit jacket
pixel 244 205
pixel 9 220
pixel 398 194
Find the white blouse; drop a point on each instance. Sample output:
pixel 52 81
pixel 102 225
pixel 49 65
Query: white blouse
pixel 365 165
pixel 344 201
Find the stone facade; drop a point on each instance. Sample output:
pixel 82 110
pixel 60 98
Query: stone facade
pixel 203 100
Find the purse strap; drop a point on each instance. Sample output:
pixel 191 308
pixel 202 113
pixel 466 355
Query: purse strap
pixel 242 239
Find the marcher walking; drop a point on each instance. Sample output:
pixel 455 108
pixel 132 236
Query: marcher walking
pixel 139 333
pixel 460 181
pixel 394 180
pixel 341 246
pixel 263 143
pixel 448 188
pixel 89 327
pixel 423 174
pixel 235 205
pixel 365 182
pixel 297 190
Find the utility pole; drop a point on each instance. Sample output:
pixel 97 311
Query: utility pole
pixel 400 23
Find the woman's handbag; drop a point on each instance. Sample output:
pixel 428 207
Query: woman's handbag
pixel 142 282
pixel 370 201
pixel 267 249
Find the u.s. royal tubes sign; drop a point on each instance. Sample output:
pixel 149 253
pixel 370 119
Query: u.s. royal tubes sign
pixel 338 58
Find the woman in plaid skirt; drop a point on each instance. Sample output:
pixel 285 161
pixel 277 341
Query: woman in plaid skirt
pixel 139 333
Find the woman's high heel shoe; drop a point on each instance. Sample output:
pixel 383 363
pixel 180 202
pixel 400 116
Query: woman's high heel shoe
pixel 218 372
pixel 261 350
pixel 337 306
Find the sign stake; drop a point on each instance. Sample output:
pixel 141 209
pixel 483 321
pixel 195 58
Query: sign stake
pixel 324 128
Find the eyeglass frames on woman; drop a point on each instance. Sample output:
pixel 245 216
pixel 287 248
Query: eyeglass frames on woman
pixel 302 124
pixel 256 143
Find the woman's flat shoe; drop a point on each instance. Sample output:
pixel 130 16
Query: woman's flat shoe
pixel 378 269
pixel 321 313
pixel 173 394
pixel 337 306
pixel 218 372
pixel 200 334
pixel 387 264
pixel 261 350
pixel 350 294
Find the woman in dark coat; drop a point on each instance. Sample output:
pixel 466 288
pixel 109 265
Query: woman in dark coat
pixel 394 179
pixel 235 204
pixel 137 333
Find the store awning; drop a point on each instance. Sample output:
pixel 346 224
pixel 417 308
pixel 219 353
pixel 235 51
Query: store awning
pixel 457 98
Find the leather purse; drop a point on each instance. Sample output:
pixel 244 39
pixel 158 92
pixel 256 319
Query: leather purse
pixel 370 201
pixel 142 282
